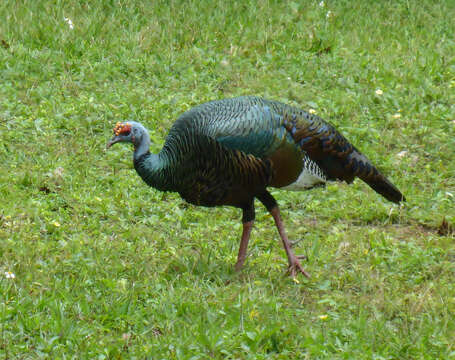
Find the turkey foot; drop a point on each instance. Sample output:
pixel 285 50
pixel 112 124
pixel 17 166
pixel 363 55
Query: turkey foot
pixel 294 264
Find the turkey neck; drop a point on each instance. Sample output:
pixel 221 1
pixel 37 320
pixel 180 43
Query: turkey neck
pixel 152 168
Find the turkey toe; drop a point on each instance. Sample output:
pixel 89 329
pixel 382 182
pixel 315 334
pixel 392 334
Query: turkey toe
pixel 295 267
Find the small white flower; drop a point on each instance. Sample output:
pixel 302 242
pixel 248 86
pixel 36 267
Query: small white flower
pixel 402 154
pixel 396 116
pixel 10 275
pixel 329 14
pixel 122 283
pixel 312 111
pixel 321 4
pixel 69 22
pixel 379 92
pixel 343 246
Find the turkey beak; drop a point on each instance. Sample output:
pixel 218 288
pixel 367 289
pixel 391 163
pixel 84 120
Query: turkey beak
pixel 113 141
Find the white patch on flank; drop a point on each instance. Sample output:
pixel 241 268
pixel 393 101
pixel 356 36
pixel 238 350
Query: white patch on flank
pixel 310 176
pixel 306 180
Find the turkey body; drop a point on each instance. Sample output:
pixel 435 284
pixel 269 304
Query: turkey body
pixel 228 152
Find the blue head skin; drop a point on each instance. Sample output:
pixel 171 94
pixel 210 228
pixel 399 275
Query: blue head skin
pixel 132 132
pixel 150 167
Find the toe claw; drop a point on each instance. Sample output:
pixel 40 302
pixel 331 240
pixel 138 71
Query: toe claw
pixel 295 267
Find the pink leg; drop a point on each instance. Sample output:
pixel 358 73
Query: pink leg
pixel 294 264
pixel 247 226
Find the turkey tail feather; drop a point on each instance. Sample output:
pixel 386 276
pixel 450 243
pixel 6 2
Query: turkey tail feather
pixel 363 169
pixel 334 154
pixel 383 186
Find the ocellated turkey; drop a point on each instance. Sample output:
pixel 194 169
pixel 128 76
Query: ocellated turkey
pixel 230 151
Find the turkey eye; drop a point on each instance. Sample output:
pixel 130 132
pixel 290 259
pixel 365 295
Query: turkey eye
pixel 126 132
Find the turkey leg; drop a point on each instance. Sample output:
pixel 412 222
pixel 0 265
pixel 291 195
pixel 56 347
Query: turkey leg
pixel 294 264
pixel 247 226
pixel 248 221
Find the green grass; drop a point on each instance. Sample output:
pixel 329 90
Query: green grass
pixel 108 268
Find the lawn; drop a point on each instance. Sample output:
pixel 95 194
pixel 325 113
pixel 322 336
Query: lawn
pixel 96 265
